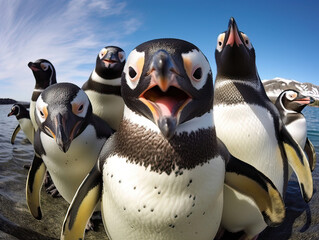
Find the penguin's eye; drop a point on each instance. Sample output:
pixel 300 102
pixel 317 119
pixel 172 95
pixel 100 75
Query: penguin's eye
pixel 197 75
pixel 246 41
pixel 121 56
pixel 78 108
pixel 102 53
pixel 220 42
pixel 132 72
pixel 133 68
pixel 41 110
pixel 196 67
pixel 42 114
pixel 44 66
pixel 291 95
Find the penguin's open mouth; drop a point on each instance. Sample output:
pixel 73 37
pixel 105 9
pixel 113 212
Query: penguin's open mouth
pixel 165 104
pixel 109 61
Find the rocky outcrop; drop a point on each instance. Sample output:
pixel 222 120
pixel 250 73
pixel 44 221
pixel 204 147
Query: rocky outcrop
pixel 274 87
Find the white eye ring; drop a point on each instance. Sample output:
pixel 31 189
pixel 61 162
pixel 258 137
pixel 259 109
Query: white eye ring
pixel 41 107
pixel 291 95
pixel 246 41
pixel 102 53
pixel 44 66
pixel 197 68
pixel 220 42
pixel 133 68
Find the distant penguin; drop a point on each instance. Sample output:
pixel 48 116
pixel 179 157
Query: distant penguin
pixel 23 117
pixel 44 74
pixel 250 127
pixel 161 175
pixel 290 103
pixel 104 85
pixel 69 139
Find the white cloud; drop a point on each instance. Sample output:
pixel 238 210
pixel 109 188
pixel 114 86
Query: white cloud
pixel 67 33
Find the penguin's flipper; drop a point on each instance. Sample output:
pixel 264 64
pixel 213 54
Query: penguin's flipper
pixel 82 206
pixel 14 134
pixel 33 187
pixel 311 153
pixel 299 163
pixel 247 180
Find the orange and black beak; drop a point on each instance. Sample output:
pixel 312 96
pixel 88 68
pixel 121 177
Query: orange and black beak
pixel 65 128
pixel 164 97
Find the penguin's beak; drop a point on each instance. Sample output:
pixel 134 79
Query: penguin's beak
pixel 164 97
pixel 110 58
pixel 233 34
pixel 33 66
pixel 303 100
pixel 13 112
pixel 66 127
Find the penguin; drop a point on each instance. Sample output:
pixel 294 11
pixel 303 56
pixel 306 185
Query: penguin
pixel 45 75
pixel 23 117
pixel 104 85
pixel 290 103
pixel 67 142
pixel 161 175
pixel 250 127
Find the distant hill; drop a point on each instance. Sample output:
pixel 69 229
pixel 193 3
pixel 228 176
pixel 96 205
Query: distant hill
pixel 4 101
pixel 274 87
pixel 7 101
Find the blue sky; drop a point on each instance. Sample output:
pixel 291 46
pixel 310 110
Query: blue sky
pixel 285 34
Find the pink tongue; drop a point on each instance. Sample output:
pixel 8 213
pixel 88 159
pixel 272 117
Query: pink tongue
pixel 166 105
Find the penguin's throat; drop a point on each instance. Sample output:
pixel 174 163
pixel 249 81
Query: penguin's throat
pixel 167 103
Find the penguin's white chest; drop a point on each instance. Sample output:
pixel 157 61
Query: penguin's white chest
pixel 298 130
pixel 249 134
pixel 32 117
pixel 27 127
pixel 107 106
pixel 138 203
pixel 69 169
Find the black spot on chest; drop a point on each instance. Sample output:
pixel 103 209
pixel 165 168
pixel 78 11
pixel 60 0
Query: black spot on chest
pixel 148 148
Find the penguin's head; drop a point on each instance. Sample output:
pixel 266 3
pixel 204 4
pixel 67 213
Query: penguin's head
pixel 234 54
pixel 293 100
pixel 110 62
pixel 17 110
pixel 168 81
pixel 62 112
pixel 44 73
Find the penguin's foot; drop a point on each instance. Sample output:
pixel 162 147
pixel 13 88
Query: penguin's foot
pixel 94 221
pixel 50 187
pixel 53 191
pixel 89 226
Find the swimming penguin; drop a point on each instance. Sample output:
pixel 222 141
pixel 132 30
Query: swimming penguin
pixel 68 140
pixel 104 85
pixel 290 103
pixel 44 74
pixel 23 117
pixel 161 175
pixel 250 127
